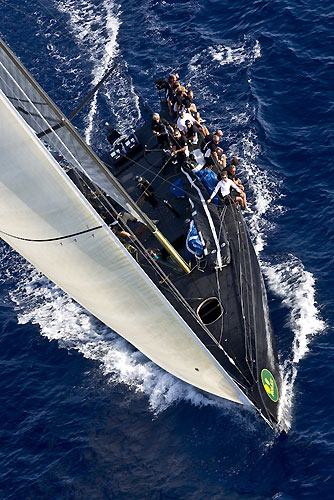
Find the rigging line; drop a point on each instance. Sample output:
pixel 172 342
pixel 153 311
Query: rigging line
pixel 248 340
pixel 220 301
pixel 82 104
pixel 155 177
pixel 171 287
pixel 237 229
pixel 246 248
pixel 51 239
pixel 188 193
pixel 175 292
pixel 93 91
pixel 248 347
pixel 144 170
pixel 218 288
pixel 222 216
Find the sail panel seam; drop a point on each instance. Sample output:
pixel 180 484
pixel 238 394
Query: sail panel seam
pixel 51 239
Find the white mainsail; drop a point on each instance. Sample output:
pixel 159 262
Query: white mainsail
pixel 47 220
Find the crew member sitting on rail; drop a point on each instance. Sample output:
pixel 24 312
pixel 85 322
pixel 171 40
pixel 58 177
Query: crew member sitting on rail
pixel 193 135
pixel 211 153
pixel 234 162
pixel 170 90
pixel 180 96
pixel 231 173
pixel 179 147
pixel 181 123
pixel 160 128
pixel 209 138
pixel 189 105
pixel 224 186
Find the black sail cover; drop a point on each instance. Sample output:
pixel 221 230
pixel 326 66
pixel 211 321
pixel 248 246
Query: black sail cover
pixel 210 227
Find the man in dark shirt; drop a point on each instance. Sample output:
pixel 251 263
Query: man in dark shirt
pixel 214 158
pixel 179 147
pixel 160 128
pixel 209 138
pixel 145 187
pixel 210 151
pixel 170 90
pixel 193 135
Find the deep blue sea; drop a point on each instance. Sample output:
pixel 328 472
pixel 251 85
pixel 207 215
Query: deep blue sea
pixel 83 415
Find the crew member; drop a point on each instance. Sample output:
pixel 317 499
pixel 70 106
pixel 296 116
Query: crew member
pixel 192 135
pixel 211 151
pixel 224 186
pixel 179 147
pixel 231 173
pixel 160 128
pixel 148 192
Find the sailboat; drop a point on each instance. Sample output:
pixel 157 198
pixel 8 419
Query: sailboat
pixel 202 318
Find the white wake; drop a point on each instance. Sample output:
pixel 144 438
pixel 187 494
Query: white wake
pixel 96 29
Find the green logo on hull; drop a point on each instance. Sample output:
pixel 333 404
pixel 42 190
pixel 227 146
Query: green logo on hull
pixel 269 385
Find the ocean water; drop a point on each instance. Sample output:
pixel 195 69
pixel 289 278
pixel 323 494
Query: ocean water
pixel 83 414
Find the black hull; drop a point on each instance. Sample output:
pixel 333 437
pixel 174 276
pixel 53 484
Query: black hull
pixel 241 340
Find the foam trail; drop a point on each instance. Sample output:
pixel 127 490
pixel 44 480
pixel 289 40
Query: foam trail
pixel 60 318
pixel 296 287
pixel 102 49
pixel 237 54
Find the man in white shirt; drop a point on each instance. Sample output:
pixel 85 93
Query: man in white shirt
pixel 181 121
pixel 225 186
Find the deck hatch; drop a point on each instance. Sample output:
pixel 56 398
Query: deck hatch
pixel 210 310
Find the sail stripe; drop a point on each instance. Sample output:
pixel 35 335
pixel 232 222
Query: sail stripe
pixel 51 239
